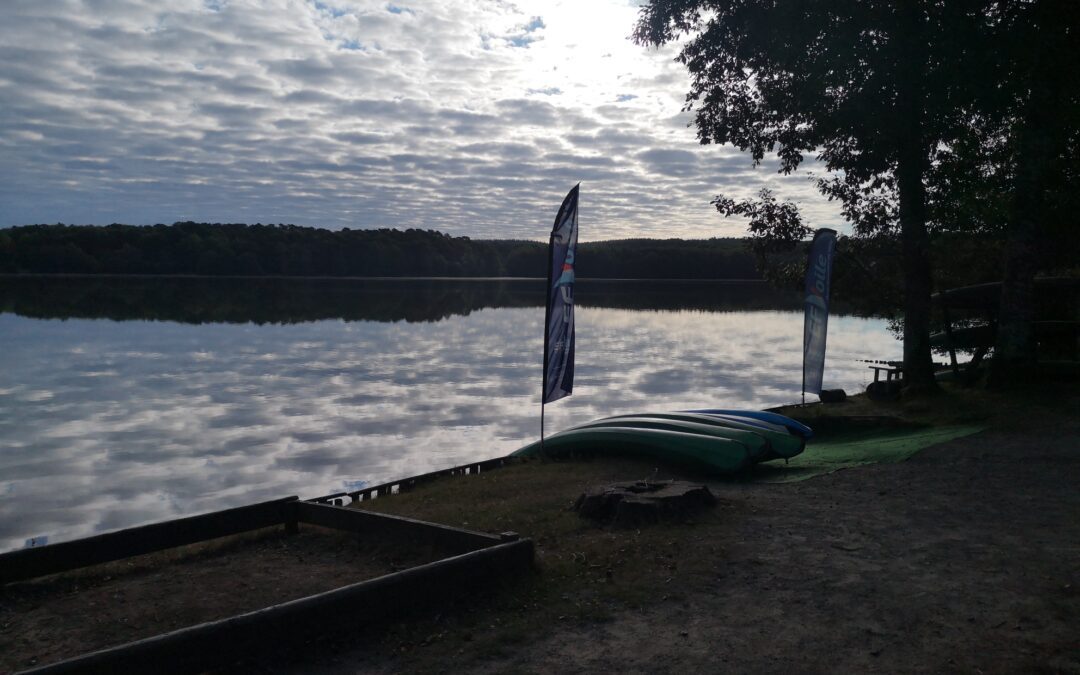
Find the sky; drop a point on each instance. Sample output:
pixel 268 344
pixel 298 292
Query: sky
pixel 472 117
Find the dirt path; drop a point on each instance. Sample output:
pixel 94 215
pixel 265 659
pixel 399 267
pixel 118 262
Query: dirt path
pixel 965 558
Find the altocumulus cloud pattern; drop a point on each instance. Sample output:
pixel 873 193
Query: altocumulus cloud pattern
pixel 468 116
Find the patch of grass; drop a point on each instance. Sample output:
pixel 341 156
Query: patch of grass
pixel 953 404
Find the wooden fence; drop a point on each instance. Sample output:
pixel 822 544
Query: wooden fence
pixel 476 558
pixel 405 484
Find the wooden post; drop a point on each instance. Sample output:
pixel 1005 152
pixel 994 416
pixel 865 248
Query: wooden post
pixel 949 341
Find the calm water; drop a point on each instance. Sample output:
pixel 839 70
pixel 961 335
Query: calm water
pixel 125 402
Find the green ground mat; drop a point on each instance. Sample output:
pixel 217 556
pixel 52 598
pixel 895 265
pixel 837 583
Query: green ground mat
pixel 842 451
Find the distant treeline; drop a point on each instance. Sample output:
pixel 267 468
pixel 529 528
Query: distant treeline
pixel 189 248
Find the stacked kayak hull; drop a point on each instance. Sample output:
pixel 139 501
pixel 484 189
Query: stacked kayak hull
pixel 783 444
pixel 713 442
pixel 756 444
pixel 794 426
pixel 709 454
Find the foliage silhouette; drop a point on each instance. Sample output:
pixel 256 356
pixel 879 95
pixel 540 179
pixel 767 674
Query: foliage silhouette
pixel 287 250
pixel 873 88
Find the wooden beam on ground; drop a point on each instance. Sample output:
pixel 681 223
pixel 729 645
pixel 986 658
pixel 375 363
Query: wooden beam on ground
pixel 220 644
pixel 64 556
pixel 452 539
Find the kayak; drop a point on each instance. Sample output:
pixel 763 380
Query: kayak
pixel 794 426
pixel 714 441
pixel 783 444
pixel 701 452
pixel 756 443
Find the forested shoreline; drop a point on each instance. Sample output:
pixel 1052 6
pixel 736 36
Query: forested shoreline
pixel 233 249
pixel 867 272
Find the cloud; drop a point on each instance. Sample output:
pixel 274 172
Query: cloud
pixel 111 434
pixel 299 111
pixel 669 162
pixel 525 34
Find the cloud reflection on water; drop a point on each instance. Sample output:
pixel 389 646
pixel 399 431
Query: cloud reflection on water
pixel 110 424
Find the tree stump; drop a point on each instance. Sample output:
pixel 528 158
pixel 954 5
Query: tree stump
pixel 636 503
pixel 832 395
pixel 885 390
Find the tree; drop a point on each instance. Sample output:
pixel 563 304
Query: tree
pixel 1038 97
pixel 776 229
pixel 874 88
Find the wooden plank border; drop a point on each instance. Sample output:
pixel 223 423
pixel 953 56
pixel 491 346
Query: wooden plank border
pixel 28 563
pixel 219 643
pixel 477 558
pixel 406 484
pixel 453 539
pixel 66 556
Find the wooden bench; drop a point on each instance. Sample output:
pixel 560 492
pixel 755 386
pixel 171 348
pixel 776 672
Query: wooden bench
pixel 891 372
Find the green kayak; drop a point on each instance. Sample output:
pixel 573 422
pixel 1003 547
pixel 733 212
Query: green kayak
pixel 701 452
pixel 782 443
pixel 756 443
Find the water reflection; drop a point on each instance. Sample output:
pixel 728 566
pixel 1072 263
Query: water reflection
pixel 108 424
pixel 279 300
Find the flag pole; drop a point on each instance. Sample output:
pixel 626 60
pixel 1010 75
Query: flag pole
pixel 541 428
pixel 547 320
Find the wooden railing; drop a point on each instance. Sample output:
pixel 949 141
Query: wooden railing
pixel 405 484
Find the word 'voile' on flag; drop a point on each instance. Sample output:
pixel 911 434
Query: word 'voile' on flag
pixel 559 315
pixel 816 319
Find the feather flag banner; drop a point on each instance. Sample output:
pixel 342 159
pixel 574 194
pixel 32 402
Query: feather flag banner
pixel 559 316
pixel 816 319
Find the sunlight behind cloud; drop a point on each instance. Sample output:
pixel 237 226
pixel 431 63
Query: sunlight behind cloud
pixel 469 117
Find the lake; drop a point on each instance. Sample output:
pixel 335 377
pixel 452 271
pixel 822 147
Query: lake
pixel 126 401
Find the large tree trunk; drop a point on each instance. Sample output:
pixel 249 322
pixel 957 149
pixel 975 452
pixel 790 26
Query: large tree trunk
pixel 1042 132
pixel 1014 348
pixel 915 240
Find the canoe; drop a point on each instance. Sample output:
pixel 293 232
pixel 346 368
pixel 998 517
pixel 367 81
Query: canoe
pixel 700 452
pixel 794 426
pixel 756 443
pixel 782 442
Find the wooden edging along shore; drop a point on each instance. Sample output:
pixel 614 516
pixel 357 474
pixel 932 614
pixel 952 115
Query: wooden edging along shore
pixel 215 643
pixel 406 484
pixel 70 555
pixel 476 557
pixel 366 522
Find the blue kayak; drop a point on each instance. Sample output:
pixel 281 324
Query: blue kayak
pixel 791 425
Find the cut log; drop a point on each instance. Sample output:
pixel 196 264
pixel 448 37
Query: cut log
pixel 833 395
pixel 636 503
pixel 885 390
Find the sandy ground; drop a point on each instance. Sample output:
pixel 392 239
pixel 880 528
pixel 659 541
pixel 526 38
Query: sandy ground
pixel 965 558
pixel 62 616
